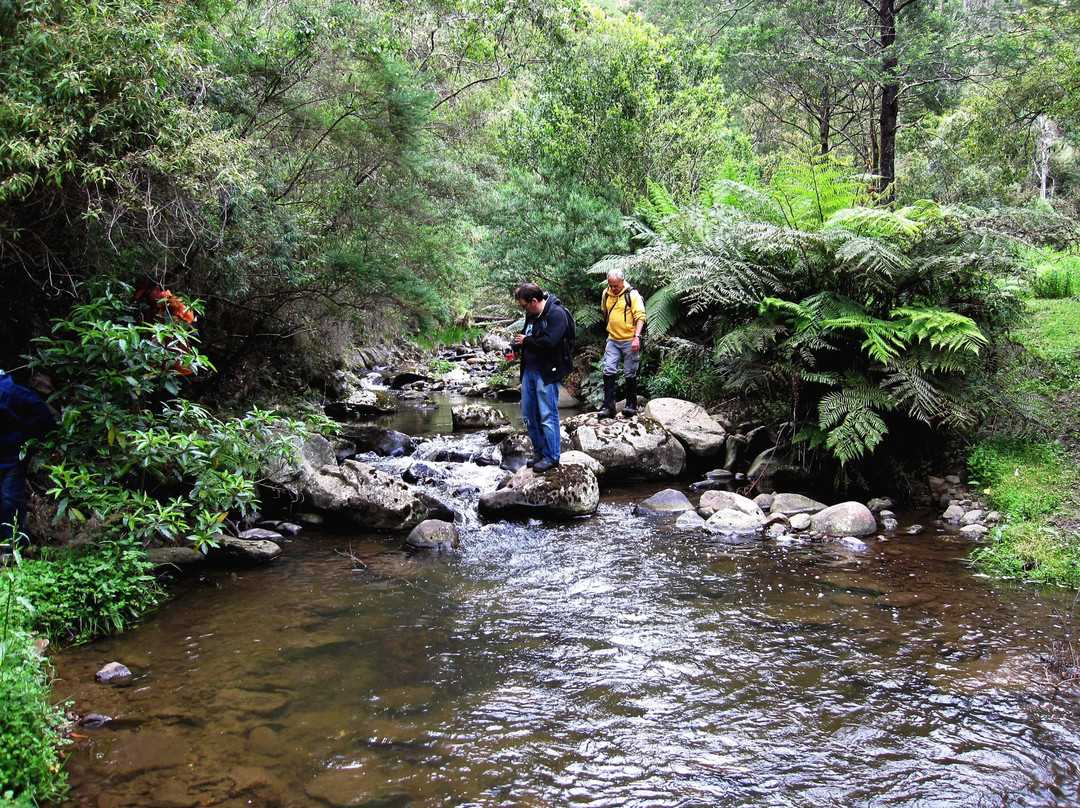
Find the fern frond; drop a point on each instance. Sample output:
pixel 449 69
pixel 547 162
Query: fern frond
pixel 941 328
pixel 874 223
pixel 924 399
pixel 850 418
pixel 663 310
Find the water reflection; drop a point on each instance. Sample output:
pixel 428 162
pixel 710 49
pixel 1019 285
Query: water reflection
pixel 605 662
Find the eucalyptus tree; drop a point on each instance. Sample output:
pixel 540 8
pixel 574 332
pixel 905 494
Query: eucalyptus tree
pixel 838 73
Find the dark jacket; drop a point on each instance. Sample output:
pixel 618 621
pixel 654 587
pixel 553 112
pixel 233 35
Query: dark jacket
pixel 548 341
pixel 23 415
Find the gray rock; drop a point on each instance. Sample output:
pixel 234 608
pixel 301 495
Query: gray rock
pixel 699 433
pixel 844 519
pixel 792 504
pixel 477 416
pixel 361 404
pixel 879 504
pixel 434 534
pixel 852 543
pixel 972 517
pixel 566 490
pixel 800 522
pixel 365 496
pixel 177 557
pixel 974 531
pixel 232 549
pixel 113 674
pixel 381 441
pixel 713 501
pixel 666 503
pixel 691 520
pixel 257 533
pixel 634 449
pixel 954 513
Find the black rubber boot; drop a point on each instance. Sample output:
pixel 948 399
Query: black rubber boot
pixel 631 398
pixel 608 409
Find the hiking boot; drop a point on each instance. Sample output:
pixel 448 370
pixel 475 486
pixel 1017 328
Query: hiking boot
pixel 630 409
pixel 608 408
pixel 544 465
pixel 532 461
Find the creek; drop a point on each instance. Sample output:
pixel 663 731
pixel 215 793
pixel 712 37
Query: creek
pixel 606 661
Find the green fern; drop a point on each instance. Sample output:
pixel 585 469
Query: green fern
pixel 850 419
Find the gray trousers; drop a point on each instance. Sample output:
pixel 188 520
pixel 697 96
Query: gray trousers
pixel 620 352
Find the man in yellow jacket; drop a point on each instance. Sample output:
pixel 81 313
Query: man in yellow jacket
pixel 624 314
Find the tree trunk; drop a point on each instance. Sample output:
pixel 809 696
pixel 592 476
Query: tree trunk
pixel 889 120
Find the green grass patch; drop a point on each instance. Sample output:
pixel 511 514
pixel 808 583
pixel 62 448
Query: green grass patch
pixel 1022 478
pixel 1033 550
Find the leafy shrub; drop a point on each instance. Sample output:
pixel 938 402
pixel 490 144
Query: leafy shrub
pixel 1056 282
pixel 129 452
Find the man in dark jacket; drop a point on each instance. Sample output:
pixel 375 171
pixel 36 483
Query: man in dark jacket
pixel 545 360
pixel 23 415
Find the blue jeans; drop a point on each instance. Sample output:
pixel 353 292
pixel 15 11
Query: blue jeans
pixel 540 411
pixel 12 502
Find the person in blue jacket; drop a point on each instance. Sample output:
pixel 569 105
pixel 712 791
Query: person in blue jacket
pixel 545 345
pixel 24 415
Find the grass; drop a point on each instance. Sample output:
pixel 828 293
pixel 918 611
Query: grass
pixel 1036 483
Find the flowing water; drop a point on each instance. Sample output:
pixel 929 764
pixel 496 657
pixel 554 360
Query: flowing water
pixel 608 661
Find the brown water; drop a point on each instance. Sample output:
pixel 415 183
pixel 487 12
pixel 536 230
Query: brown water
pixel 610 661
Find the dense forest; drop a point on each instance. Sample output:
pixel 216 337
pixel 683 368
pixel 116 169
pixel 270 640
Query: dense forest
pixel 837 210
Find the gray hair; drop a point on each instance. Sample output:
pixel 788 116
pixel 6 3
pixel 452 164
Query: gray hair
pixel 616 273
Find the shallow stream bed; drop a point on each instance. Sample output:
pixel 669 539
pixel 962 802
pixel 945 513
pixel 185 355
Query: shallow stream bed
pixel 608 661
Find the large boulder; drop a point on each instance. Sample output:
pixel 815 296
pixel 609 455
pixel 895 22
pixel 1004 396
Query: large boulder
pixel 380 440
pixel 566 490
pixel 296 475
pixel 364 496
pixel 844 519
pixel 634 449
pixel 698 432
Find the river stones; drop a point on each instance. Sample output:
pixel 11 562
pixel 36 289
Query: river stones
pixel 666 503
pixel 434 534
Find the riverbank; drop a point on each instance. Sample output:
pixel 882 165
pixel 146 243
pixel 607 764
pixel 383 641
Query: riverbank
pixel 1035 478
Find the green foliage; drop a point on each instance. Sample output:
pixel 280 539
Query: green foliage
pixel 865 317
pixel 128 453
pixel 86 591
pixel 30 741
pixel 545 229
pixel 621 103
pixel 683 372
